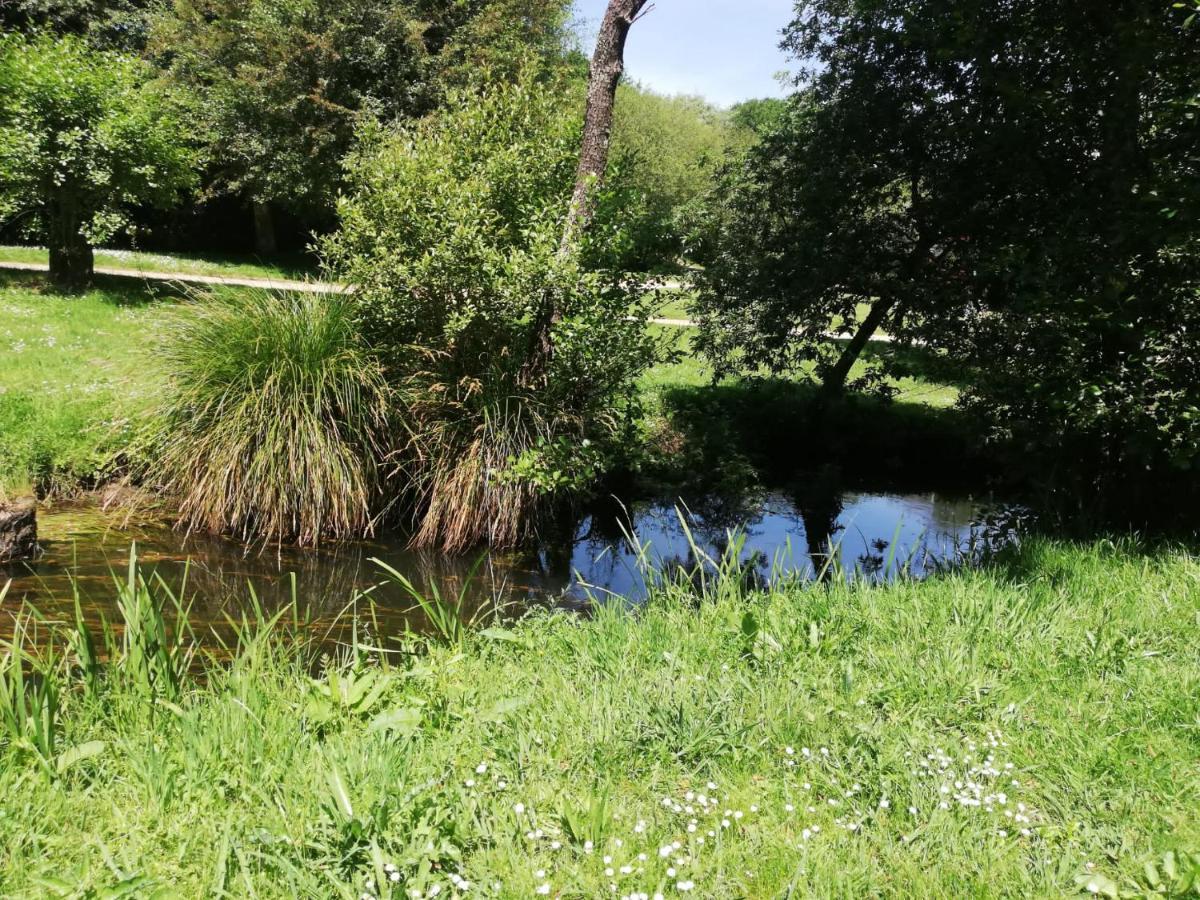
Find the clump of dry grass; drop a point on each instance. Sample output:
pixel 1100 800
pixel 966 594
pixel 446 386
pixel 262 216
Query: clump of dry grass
pixel 275 422
pixel 463 438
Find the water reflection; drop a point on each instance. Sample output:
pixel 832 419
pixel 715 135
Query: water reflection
pixel 874 534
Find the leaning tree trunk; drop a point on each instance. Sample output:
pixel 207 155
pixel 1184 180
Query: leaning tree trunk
pixel 71 262
pixel 834 381
pixel 265 243
pixel 608 62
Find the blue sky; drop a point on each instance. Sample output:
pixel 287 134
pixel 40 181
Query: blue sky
pixel 725 50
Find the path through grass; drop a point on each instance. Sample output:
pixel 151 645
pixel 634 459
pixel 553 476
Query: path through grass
pixel 289 266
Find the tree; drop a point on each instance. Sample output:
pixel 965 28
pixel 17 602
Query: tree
pixel 287 82
pixel 668 149
pixel 85 136
pixel 758 116
pixel 1014 182
pixel 608 64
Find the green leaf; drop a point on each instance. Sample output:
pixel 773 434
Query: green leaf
pixel 78 753
pixel 403 721
pixel 503 634
pixel 500 711
pixel 341 796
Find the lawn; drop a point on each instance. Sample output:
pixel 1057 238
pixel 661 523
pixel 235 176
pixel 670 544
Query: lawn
pixel 77 371
pixel 1028 730
pixel 293 266
pixel 74 373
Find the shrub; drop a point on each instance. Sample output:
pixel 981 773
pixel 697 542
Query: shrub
pixel 275 422
pixel 451 241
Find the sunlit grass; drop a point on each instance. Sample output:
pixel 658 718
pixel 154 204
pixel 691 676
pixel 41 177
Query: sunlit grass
pixel 1026 730
pixel 285 266
pixel 72 376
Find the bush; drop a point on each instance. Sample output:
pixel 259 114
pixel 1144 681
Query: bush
pixel 451 240
pixel 275 422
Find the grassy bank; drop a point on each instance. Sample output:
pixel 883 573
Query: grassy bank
pixel 1020 731
pixel 73 372
pixel 77 369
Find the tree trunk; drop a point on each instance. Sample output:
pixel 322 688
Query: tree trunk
pixel 834 381
pixel 608 62
pixel 71 261
pixel 264 230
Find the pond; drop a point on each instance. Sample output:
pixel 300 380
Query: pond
pixel 604 554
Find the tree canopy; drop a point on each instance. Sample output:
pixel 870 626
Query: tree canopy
pixel 286 84
pixel 85 136
pixel 1011 182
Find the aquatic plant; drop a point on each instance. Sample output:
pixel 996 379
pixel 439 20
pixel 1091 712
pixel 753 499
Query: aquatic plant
pixel 274 421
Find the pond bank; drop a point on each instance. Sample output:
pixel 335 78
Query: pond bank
pixel 1023 730
pixel 610 549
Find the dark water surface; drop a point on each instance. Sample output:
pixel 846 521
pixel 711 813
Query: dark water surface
pixel 876 534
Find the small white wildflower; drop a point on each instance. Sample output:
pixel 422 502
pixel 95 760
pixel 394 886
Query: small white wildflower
pixel 543 889
pixel 684 886
pixel 481 768
pixel 518 808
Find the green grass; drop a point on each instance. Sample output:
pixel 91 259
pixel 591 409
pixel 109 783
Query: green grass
pixel 1061 686
pixel 76 371
pixel 73 373
pixel 286 266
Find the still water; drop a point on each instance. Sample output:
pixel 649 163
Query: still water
pixel 873 534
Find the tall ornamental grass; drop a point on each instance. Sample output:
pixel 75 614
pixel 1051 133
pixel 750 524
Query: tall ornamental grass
pixel 274 422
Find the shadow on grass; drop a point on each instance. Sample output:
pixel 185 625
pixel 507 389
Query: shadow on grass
pixel 118 290
pixel 770 431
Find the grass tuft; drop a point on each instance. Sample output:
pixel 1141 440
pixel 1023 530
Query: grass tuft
pixel 274 425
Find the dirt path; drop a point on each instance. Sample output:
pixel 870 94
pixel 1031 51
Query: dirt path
pixel 275 284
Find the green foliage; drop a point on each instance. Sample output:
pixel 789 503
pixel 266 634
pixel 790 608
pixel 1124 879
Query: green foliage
pixel 105 24
pixel 85 136
pixel 451 240
pixel 618 722
pixel 285 84
pixel 758 116
pixel 666 148
pixel 1016 184
pixel 274 425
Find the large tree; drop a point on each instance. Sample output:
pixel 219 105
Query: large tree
pixel 287 82
pixel 85 137
pixel 1013 182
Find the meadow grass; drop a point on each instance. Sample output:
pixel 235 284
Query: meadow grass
pixel 72 375
pixel 285 266
pixel 1026 730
